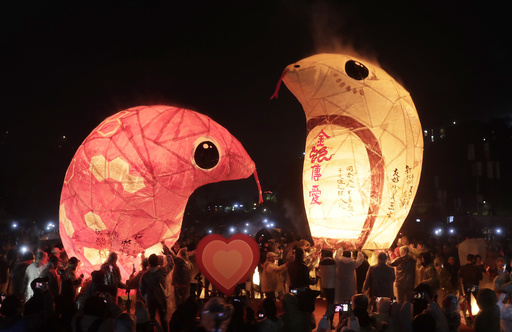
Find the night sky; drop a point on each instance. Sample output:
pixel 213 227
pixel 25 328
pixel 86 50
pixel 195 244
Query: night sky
pixel 67 65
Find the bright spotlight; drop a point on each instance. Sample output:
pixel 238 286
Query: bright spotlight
pixel 498 231
pixel 452 231
pixel 232 229
pixel 210 231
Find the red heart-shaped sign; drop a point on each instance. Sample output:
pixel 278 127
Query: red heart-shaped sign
pixel 227 262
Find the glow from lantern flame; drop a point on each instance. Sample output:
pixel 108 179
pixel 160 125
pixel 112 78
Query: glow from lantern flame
pixel 474 307
pixel 256 277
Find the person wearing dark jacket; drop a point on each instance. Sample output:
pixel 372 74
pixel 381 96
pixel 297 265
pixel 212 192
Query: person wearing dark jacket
pixel 300 281
pixel 471 276
pixel 405 273
pixel 112 275
pixel 361 272
pixel 380 278
pixel 153 288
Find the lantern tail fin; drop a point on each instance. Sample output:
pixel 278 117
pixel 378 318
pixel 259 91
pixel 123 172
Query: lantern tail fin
pixel 278 86
pixel 260 193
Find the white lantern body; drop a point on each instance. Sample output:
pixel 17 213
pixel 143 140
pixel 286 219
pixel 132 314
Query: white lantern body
pixel 364 150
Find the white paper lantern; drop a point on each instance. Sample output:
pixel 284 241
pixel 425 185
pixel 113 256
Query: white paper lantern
pixel 364 150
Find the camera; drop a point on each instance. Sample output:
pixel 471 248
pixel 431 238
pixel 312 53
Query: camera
pixel 261 315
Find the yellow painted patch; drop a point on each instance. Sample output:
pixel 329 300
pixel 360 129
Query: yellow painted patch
pixel 94 221
pixel 68 225
pixel 98 167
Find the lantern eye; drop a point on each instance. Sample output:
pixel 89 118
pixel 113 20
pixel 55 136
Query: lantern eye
pixel 356 70
pixel 206 155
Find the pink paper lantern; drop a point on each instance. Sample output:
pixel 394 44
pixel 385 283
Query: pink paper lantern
pixel 129 182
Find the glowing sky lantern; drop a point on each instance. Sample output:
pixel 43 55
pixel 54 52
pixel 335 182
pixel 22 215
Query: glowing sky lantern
pixel 364 150
pixel 129 182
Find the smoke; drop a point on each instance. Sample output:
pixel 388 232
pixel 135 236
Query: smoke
pixel 338 28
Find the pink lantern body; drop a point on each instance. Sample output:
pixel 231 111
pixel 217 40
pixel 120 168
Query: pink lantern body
pixel 129 182
pixel 364 150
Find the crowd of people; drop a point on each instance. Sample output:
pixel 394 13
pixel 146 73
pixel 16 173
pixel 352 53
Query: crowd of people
pixel 411 287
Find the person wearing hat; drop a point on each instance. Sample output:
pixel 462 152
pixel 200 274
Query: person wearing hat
pixel 270 275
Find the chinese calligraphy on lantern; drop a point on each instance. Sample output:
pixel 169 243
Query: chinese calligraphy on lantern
pixel 318 154
pixel 345 186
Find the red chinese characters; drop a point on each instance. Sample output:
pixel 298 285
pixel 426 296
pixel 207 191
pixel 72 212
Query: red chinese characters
pixel 318 154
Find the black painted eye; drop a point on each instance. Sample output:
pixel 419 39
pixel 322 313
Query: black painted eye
pixel 296 66
pixel 206 155
pixel 356 70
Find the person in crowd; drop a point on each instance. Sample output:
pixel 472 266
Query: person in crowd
pixel 505 305
pixel 423 322
pixel 360 306
pixel 300 281
pixel 270 275
pixel 134 281
pixel 428 273
pixel 361 272
pixel 176 247
pixel 34 271
pixel 383 315
pixel 125 322
pixel 451 311
pixel 181 276
pixel 142 318
pixel 327 270
pixel 70 280
pixel 39 309
pixel 269 321
pixel 50 271
pixel 17 286
pixel 112 275
pixel 293 319
pixel 184 318
pixel 97 285
pixel 153 288
pixel 453 270
pixel 488 318
pixel 479 263
pixel 215 316
pixel 499 270
pixel 11 318
pixel 380 278
pixel 470 276
pixel 242 319
pixel 264 249
pixel 96 316
pixel 445 286
pixel 345 275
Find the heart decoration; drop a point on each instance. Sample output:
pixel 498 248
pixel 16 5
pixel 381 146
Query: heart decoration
pixel 227 262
